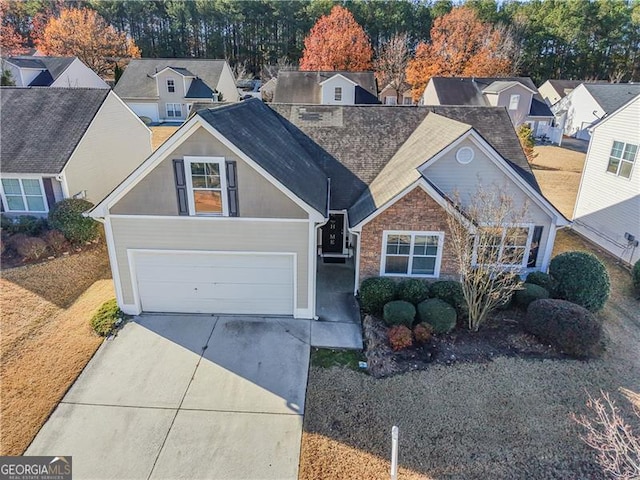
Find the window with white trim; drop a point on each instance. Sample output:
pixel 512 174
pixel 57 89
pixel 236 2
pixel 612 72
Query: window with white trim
pixel 412 253
pixel 206 182
pixel 174 110
pixel 623 156
pixel 507 246
pixel 513 102
pixel 337 94
pixel 407 101
pixel 24 195
pixel 390 100
pixel 171 85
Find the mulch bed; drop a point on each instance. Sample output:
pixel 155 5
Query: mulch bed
pixel 11 259
pixel 501 336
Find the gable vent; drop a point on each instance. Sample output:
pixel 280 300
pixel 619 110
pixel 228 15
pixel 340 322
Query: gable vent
pixel 465 155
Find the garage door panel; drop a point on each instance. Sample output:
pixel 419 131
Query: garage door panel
pixel 215 282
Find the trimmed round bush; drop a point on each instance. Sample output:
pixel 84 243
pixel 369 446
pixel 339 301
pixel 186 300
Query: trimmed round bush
pixel 581 278
pixel 400 337
pixel 66 216
pixel 413 290
pixel 104 321
pixel 422 332
pixel 570 327
pixel 449 291
pixel 399 312
pixel 376 292
pixel 635 272
pixel 542 279
pixel 530 292
pixel 437 313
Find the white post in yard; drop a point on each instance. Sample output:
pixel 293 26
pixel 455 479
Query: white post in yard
pixel 394 453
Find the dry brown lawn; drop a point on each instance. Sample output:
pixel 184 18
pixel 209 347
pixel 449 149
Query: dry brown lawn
pixel 505 419
pixel 160 134
pixel 46 337
pixel 558 172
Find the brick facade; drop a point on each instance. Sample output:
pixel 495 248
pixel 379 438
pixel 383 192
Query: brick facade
pixel 416 211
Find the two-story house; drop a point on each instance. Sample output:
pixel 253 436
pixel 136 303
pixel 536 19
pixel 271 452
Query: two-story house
pixel 165 89
pixel 555 90
pixel 64 72
pixel 607 209
pixel 517 94
pixel 326 88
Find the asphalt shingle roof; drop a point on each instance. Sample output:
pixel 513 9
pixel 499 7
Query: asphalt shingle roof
pixel 41 127
pixel 137 80
pixel 468 91
pixel 303 87
pixel 199 89
pixel 612 96
pixel 52 67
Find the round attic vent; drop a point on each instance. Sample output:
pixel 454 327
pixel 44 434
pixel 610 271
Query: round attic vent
pixel 464 155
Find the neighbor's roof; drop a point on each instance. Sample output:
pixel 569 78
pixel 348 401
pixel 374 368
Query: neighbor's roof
pixel 500 85
pixel 256 130
pixel 352 144
pixel 612 96
pixel 563 87
pixel 52 67
pixel 42 126
pixel 295 86
pixel 137 80
pixel 468 91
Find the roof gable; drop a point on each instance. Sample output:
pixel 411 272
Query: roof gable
pixel 305 87
pixel 336 77
pixel 42 126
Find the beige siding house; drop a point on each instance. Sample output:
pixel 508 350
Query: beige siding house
pixel 227 218
pixel 61 143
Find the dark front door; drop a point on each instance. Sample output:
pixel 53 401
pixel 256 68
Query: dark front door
pixel 333 234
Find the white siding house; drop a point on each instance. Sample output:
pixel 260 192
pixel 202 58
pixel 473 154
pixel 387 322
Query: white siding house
pixel 63 72
pixel 607 210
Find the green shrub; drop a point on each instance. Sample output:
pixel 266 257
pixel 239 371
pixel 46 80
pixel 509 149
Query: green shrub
pixel 529 293
pixel 376 292
pixel 104 321
pixel 66 216
pixel 413 290
pixel 437 313
pixel 581 278
pixel 570 327
pixel 542 279
pixel 635 272
pixel 449 291
pixel 399 312
pixel 27 224
pixel 31 248
pixel 422 332
pixel 400 337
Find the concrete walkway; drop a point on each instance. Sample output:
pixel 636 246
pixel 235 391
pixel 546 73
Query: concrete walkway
pixel 338 324
pixel 187 397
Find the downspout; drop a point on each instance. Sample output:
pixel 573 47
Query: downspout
pixel 356 280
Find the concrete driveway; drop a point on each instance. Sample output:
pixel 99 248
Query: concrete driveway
pixel 198 397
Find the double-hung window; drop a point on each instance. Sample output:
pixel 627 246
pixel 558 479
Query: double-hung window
pixel 503 245
pixel 174 110
pixel 623 156
pixel 513 102
pixel 171 85
pixel 207 185
pixel 412 254
pixel 24 195
pixel 337 94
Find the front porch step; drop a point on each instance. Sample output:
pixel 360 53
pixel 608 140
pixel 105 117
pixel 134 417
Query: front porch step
pixel 334 259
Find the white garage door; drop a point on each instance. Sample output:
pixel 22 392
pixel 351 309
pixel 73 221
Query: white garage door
pixel 145 110
pixel 210 282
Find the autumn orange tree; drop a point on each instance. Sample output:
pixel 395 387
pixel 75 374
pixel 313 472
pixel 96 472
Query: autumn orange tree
pixel 337 42
pixel 83 33
pixel 462 45
pixel 12 41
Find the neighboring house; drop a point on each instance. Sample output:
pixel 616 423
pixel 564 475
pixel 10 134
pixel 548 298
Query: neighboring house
pixel 268 89
pixel 59 143
pixel 65 72
pixel 517 94
pixel 589 103
pixel 552 91
pixel 232 213
pixel 389 95
pixel 164 89
pixel 607 209
pixel 326 88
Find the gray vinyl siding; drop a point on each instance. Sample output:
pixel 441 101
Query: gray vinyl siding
pixel 608 205
pixel 521 114
pixel 175 97
pixel 211 235
pixel 451 177
pixel 257 196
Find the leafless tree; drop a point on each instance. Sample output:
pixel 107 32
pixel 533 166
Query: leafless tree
pixel 616 446
pixel 391 64
pixel 271 71
pixel 489 247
